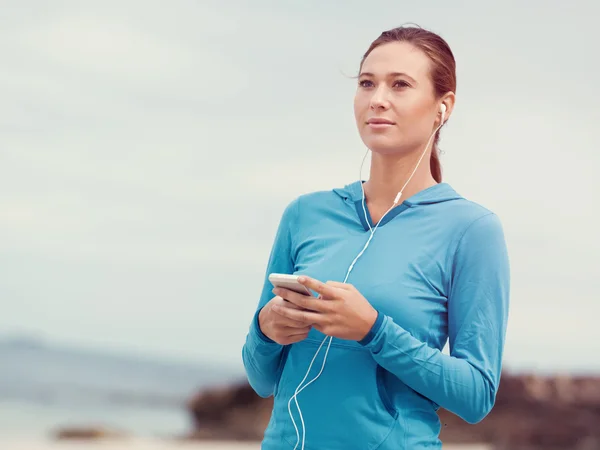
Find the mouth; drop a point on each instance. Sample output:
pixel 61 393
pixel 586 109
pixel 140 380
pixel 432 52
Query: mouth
pixel 378 123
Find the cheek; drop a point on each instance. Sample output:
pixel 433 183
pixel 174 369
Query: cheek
pixel 408 106
pixel 413 114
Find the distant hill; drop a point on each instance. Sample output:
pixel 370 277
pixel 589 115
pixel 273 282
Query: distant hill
pixel 24 342
pixel 38 371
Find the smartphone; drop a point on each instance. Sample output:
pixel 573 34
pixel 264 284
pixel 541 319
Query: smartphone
pixel 289 282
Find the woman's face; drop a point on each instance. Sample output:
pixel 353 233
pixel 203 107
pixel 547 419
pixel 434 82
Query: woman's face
pixel 395 105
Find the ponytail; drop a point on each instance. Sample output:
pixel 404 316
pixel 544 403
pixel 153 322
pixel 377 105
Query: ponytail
pixel 436 166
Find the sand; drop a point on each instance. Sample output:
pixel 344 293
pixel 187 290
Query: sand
pixel 144 444
pixel 120 444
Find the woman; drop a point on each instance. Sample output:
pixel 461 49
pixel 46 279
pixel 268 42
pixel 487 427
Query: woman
pixel 415 264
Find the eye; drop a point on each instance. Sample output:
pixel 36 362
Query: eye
pixel 401 84
pixel 365 83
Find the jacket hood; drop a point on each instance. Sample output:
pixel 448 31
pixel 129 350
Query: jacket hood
pixel 441 192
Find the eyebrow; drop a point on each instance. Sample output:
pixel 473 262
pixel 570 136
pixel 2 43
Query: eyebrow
pixel 390 75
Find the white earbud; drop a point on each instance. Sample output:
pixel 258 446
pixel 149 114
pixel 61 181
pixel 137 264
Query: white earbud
pixel 443 111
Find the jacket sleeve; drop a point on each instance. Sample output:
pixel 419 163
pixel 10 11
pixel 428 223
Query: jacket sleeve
pixel 466 381
pixel 262 356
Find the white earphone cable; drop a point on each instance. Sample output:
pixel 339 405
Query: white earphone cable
pixel 330 338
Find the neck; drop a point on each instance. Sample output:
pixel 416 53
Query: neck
pixel 389 174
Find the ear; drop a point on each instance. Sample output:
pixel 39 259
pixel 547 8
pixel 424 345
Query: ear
pixel 448 100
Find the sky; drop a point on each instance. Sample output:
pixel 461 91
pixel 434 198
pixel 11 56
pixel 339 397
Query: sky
pixel 147 153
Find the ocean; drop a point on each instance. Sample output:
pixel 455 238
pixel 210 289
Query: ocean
pixel 43 388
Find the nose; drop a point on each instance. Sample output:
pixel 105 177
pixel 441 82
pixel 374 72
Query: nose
pixel 379 100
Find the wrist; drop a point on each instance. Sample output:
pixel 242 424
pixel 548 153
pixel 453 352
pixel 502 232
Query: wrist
pixel 374 323
pixel 259 322
pixel 368 321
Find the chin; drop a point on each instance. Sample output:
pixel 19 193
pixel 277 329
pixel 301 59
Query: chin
pixel 384 146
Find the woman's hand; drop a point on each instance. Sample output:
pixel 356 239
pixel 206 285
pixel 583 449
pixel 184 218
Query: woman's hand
pixel 340 311
pixel 280 328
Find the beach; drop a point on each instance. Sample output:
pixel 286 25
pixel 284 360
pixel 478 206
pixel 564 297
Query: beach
pixel 152 444
pixel 120 444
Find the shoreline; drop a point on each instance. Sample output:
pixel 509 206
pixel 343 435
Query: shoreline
pixel 134 443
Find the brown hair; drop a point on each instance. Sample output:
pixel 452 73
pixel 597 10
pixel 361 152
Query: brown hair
pixel 443 69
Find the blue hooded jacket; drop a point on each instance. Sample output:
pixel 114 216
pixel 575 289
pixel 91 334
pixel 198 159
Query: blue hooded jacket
pixel 436 271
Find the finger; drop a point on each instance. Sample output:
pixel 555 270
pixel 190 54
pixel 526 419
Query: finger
pixel 293 339
pixel 290 332
pixel 302 301
pixel 320 287
pixel 337 284
pixel 286 322
pixel 307 317
pixel 279 309
pixel 283 302
pixel 282 320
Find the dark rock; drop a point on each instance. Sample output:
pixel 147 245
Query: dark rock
pixel 87 433
pixel 531 412
pixel 231 412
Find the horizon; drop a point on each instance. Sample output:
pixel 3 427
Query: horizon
pixel 134 355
